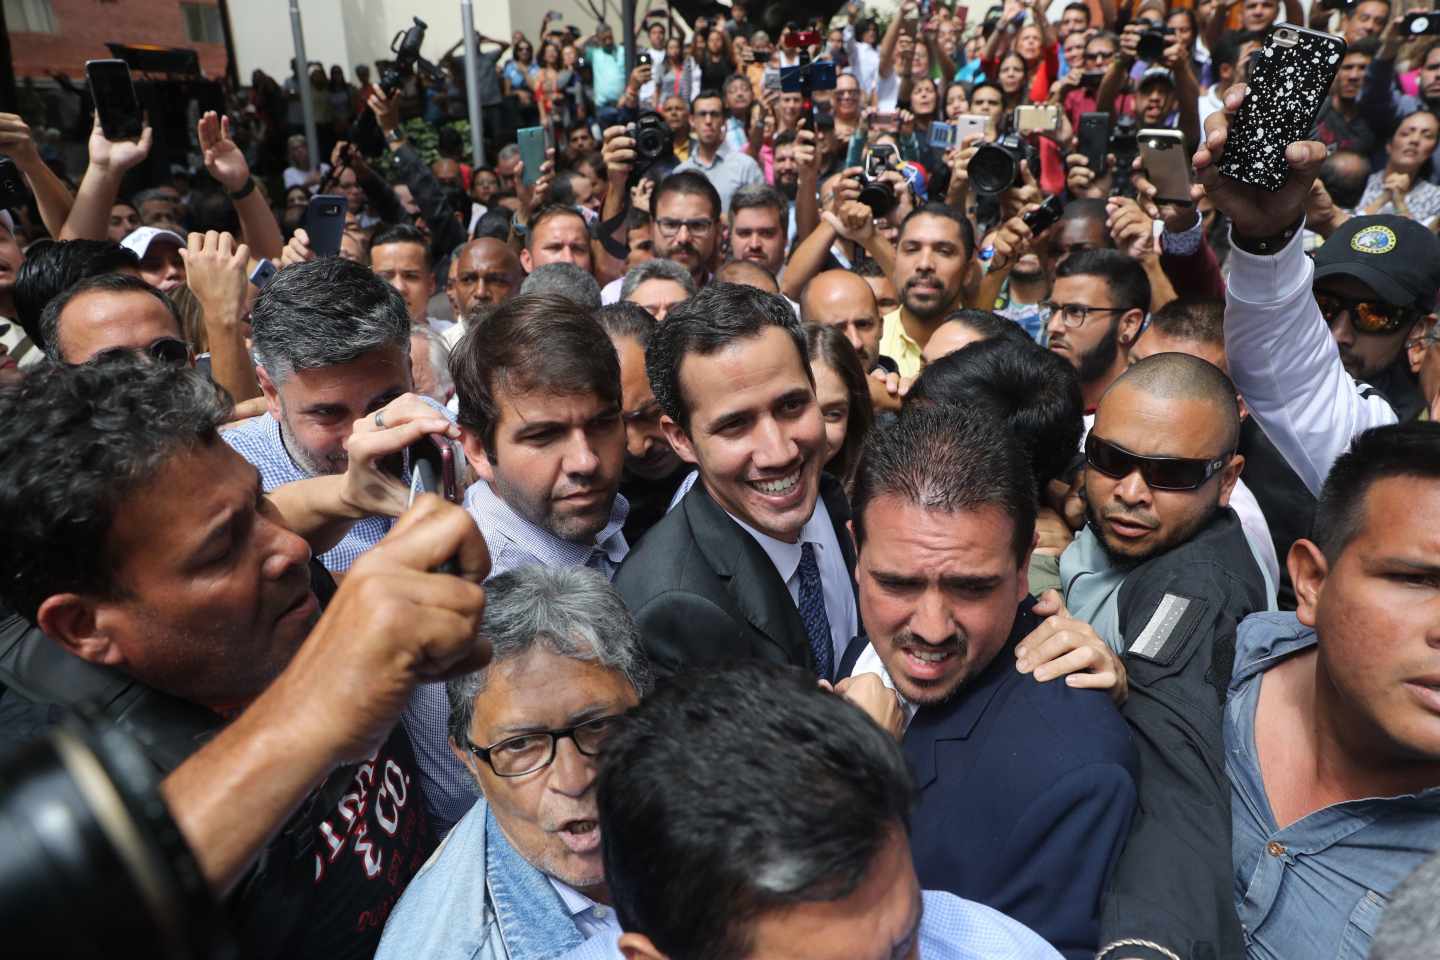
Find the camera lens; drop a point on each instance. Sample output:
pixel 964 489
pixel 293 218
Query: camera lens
pixel 993 169
pixel 878 197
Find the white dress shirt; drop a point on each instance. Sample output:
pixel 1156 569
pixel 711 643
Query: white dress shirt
pixel 834 575
pixel 591 918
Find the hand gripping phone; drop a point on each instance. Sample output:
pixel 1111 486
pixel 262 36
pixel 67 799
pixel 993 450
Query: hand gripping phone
pixel 1092 140
pixel 325 224
pixel 532 142
pixel 115 100
pixel 1162 154
pixel 431 460
pixel 1289 81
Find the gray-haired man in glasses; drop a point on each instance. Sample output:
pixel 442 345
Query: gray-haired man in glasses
pixel 1164 573
pixel 520 875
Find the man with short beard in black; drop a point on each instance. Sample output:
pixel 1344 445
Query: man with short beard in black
pixel 787 169
pixel 1097 306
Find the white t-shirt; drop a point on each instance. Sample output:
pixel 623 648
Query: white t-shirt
pixel 295 177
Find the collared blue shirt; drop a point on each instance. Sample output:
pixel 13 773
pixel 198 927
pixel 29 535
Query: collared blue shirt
pixel 1316 888
pixel 950 929
pixel 258 441
pixel 514 542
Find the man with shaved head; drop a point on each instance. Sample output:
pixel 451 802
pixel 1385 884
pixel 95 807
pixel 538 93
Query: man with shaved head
pixel 487 272
pixel 1164 574
pixel 840 299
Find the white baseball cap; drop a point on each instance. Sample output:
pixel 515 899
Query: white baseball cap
pixel 138 240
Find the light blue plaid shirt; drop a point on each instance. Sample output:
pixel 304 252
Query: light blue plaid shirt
pixel 514 542
pixel 258 441
pixel 950 929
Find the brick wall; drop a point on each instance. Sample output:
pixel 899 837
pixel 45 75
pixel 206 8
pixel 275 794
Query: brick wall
pixel 85 26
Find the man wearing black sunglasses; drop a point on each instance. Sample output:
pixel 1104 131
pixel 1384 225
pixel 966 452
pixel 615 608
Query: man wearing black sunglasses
pixel 1164 573
pixel 113 311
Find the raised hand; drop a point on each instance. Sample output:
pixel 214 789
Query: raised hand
pixel 222 157
pixel 117 156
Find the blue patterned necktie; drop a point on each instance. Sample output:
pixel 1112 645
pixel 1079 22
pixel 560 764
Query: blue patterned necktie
pixel 812 613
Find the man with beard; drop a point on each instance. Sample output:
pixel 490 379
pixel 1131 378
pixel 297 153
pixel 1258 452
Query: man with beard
pixel 520 876
pixel 728 170
pixel 685 226
pixel 739 98
pixel 653 472
pixel 944 523
pixel 757 227
pixel 932 254
pixel 331 341
pixel 1097 306
pixel 1163 573
pixel 754 562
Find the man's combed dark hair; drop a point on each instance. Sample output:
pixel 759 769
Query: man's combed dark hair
pixel 1400 450
pixel 112 283
pixel 52 268
pixel 691 182
pixel 1194 321
pixel 323 313
pixel 400 233
pixel 716 317
pixel 1033 392
pixel 946 212
pixel 78 440
pixel 951 460
pixel 990 325
pixel 784 795
pixel 628 320
pixel 531 342
pixel 1122 273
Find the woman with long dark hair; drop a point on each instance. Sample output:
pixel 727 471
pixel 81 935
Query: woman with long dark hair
pixel 844 398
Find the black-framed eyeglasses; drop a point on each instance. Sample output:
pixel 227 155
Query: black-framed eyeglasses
pixel 1366 315
pixel 1159 473
pixel 1075 314
pixel 697 227
pixel 166 350
pixel 529 752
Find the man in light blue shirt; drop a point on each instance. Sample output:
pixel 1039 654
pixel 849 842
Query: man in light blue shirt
pixel 1332 728
pixel 520 877
pixel 747 812
pixel 607 67
pixel 727 170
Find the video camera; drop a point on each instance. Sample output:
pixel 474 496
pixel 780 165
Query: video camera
pixel 406 47
pixel 995 167
pixel 1153 43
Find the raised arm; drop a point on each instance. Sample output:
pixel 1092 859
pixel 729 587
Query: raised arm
pixel 51 195
pixel 216 271
pixel 228 166
pixel 89 217
pixel 892 36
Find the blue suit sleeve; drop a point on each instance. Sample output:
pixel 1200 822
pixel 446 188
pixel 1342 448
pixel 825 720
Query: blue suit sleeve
pixel 1061 851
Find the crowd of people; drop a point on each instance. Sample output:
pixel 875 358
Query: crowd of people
pixel 858 537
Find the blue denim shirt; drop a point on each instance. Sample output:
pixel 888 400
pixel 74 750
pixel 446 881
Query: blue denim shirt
pixel 1316 888
pixel 478 899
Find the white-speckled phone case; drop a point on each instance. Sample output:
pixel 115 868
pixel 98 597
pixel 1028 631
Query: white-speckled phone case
pixel 1288 85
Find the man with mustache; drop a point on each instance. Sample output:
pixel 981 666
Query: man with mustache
pixel 932 254
pixel 685 226
pixel 520 877
pixel 1164 574
pixel 1097 306
pixel 1026 789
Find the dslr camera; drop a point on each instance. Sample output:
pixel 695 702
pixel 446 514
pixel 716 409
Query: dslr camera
pixel 995 167
pixel 876 194
pixel 1153 43
pixel 652 137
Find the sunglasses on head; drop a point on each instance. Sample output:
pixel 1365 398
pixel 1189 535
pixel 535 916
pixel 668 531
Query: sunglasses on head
pixel 1159 473
pixel 1367 316
pixel 166 350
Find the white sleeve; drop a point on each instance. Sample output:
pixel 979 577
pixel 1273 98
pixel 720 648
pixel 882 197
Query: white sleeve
pixel 1286 365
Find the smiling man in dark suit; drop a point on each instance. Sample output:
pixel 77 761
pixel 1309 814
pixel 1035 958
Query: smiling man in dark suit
pixel 1026 789
pixel 755 562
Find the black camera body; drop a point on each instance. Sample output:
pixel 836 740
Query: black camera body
pixel 875 193
pixel 406 47
pixel 1125 145
pixel 995 167
pixel 1153 43
pixel 653 139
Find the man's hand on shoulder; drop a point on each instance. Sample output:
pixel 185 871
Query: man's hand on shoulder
pixel 1065 647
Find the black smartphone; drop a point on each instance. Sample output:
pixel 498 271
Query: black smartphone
pixel 1166 164
pixel 1093 140
pixel 114 94
pixel 642 60
pixel 1289 83
pixel 325 224
pixel 1045 216
pixel 13 192
pixel 431 461
pixel 1421 24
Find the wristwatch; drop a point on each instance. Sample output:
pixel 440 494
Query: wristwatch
pixel 244 191
pixel 394 136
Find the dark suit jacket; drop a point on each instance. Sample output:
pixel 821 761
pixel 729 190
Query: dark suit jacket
pixel 1025 794
pixel 703 591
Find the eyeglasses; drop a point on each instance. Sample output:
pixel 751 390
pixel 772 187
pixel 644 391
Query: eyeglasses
pixel 1368 316
pixel 1075 314
pixel 1097 56
pixel 166 350
pixel 1159 473
pixel 518 756
pixel 698 228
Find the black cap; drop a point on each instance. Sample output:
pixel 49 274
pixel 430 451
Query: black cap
pixel 1394 256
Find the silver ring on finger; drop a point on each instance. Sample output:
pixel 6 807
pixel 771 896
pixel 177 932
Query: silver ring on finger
pixel 379 419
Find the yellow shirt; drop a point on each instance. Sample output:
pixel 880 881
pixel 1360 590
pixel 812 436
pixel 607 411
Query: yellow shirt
pixel 896 344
